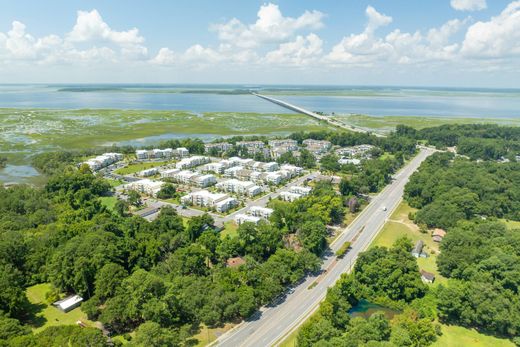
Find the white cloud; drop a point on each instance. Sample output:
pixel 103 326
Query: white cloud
pixel 468 5
pixel 365 47
pixel 300 52
pixel 498 37
pixel 165 56
pixel 270 27
pixel 91 27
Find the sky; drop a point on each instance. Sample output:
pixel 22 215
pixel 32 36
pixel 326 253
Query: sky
pixel 465 43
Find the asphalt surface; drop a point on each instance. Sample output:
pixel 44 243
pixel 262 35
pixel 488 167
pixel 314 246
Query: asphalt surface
pixel 270 324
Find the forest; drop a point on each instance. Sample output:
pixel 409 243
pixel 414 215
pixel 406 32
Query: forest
pixel 163 278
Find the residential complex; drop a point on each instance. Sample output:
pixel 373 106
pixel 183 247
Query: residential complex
pixel 317 147
pixel 262 212
pixel 219 146
pixel 189 177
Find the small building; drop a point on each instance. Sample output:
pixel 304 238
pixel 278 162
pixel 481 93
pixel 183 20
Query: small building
pixel 438 234
pixel 69 303
pixel 149 172
pixel 147 211
pixel 417 249
pixel 262 212
pixel 427 277
pixel 304 191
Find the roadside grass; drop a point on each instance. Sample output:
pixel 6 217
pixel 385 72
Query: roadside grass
pixel 208 335
pixel 230 228
pixel 108 201
pixel 455 336
pixel 45 315
pixel 136 167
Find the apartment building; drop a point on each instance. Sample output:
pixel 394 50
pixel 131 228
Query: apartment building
pixel 246 188
pixel 262 212
pixel 288 196
pixel 149 172
pixel 190 178
pixel 317 146
pixel 156 153
pixel 145 186
pixel 243 218
pixel 220 202
pixel 219 146
pixel 303 191
pixel 103 160
pixel 190 162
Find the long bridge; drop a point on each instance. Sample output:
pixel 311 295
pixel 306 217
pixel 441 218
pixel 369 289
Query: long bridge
pixel 314 115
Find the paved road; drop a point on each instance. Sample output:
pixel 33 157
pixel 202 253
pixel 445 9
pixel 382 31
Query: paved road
pixel 270 324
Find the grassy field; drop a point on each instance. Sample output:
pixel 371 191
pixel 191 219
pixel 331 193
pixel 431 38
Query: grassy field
pixel 230 228
pixel 511 224
pixel 27 131
pixel 45 315
pixel 388 123
pixel 108 201
pixel 455 336
pixel 136 167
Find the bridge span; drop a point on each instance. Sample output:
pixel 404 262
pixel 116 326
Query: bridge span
pixel 314 115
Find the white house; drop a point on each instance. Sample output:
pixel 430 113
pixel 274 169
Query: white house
pixel 220 202
pixel 103 160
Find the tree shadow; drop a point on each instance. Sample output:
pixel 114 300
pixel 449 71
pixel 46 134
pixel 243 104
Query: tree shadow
pixel 31 316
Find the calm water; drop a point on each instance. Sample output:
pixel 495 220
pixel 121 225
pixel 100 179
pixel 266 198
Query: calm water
pixel 365 309
pixel 377 101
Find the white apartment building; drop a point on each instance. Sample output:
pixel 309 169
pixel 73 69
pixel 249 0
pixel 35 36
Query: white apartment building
pixel 288 196
pixel 167 153
pixel 190 177
pixel 246 188
pixel 292 169
pixel 145 186
pixel 169 173
pixel 262 212
pixel 259 166
pixel 289 144
pixel 219 146
pixel 232 171
pixel 103 160
pixel 220 202
pixel 317 146
pixel 251 144
pixel 190 162
pixel 243 218
pixel 344 161
pixel 303 191
pixel 149 172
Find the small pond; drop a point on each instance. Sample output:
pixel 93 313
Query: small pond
pixel 365 309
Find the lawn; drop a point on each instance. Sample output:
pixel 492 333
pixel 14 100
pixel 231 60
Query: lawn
pixel 455 336
pixel 45 315
pixel 230 228
pixel 136 167
pixel 108 201
pixel 398 226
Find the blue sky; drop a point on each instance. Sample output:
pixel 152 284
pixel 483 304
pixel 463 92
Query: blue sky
pixel 441 42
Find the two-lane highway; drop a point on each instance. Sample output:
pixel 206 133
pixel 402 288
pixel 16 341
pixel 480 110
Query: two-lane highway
pixel 270 324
